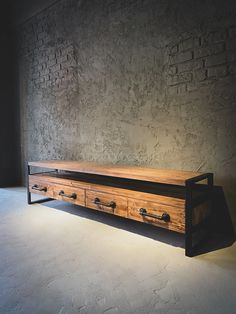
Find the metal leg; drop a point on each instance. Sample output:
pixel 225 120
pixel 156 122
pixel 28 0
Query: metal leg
pixel 188 221
pixel 29 200
pixel 189 229
pixel 27 186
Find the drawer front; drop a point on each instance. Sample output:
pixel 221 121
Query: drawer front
pixel 69 194
pixel 165 216
pixel 40 187
pixel 106 202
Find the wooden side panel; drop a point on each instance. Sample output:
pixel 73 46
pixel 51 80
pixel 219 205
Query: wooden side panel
pixel 177 215
pixel 106 200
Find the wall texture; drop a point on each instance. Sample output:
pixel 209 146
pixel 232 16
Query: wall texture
pixel 147 82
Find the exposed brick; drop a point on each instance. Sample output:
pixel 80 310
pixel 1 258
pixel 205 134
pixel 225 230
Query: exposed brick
pixel 192 87
pixel 207 51
pixel 44 65
pixel 182 88
pixel 64 65
pixel 178 79
pixel 52 62
pixel 48 84
pixel 186 44
pixel 62 73
pixel 62 59
pixel 181 57
pixel 217 36
pixel 67 50
pixel 215 60
pixel 172 90
pixel 47 39
pixel 41 36
pixel 197 41
pixel 45 72
pixel 58 53
pixel 200 75
pixel 172 70
pixel 71 60
pixel 55 68
pixel 39 43
pixel 218 71
pixel 189 66
pixel 52 56
pixel 174 49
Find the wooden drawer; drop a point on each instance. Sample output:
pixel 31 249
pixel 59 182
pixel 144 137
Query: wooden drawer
pixel 73 195
pixel 139 210
pixel 40 187
pixel 69 194
pixel 107 202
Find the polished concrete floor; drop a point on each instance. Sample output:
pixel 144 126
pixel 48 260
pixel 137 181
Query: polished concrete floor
pixel 59 258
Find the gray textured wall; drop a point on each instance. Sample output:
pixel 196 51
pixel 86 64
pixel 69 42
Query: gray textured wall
pixel 147 82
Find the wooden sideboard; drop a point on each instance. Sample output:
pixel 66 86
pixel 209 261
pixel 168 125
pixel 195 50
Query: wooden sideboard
pixel 176 200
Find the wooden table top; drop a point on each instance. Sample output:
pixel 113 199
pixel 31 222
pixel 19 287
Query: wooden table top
pixel 176 177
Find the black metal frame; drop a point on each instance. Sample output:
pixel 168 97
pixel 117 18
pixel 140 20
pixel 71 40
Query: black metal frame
pixel 190 204
pixel 29 200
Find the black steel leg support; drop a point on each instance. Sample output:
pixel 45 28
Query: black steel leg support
pixel 188 221
pixel 189 249
pixel 29 200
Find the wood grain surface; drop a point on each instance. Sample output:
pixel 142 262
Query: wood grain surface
pixel 177 215
pixel 120 202
pixel 131 172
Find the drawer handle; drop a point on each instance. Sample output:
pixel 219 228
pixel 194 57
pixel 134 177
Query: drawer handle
pixel 98 202
pixel 164 216
pixel 36 187
pixel 73 195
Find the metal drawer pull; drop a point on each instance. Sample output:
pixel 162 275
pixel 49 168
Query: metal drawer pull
pixel 98 202
pixel 73 195
pixel 36 187
pixel 164 216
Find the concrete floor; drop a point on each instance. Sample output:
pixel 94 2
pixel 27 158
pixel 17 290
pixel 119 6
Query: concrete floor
pixel 60 258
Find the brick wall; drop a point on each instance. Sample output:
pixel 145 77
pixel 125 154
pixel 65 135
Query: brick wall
pixel 199 60
pixel 138 82
pixel 52 62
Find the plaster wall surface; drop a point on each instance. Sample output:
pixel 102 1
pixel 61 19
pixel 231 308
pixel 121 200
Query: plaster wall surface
pixel 137 82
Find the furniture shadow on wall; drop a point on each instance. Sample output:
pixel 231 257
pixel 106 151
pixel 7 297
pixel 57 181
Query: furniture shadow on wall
pixel 220 229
